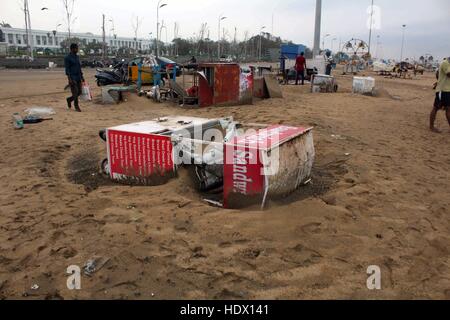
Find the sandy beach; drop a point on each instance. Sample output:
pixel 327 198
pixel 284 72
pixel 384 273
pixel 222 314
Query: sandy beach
pixel 380 195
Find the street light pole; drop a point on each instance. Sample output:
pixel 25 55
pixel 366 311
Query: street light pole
pixel 273 14
pixel 54 35
pixel 403 42
pixel 157 24
pixel 332 44
pixel 378 46
pixel 113 35
pixel 221 17
pixel 26 24
pixel 371 25
pixel 30 39
pixel 113 26
pixel 165 28
pixel 103 38
pixel 260 43
pixel 150 45
pixel 323 40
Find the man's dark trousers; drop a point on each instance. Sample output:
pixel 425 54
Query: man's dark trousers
pixel 75 87
pixel 300 74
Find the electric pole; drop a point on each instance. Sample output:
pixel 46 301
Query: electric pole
pixel 26 24
pixel 158 31
pixel 30 41
pixel 371 25
pixel 104 39
pixel 403 43
pixel 221 18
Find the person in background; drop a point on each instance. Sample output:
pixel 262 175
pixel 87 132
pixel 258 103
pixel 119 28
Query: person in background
pixel 284 70
pixel 442 100
pixel 300 67
pixel 74 75
pixel 329 63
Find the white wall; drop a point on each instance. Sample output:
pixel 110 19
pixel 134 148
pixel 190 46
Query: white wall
pixel 46 39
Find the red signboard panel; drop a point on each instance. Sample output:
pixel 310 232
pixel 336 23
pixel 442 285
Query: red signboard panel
pixel 139 155
pixel 270 137
pixel 243 175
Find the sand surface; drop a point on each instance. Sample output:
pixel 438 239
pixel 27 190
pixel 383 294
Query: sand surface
pixel 380 195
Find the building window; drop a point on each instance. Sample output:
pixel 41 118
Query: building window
pixel 44 40
pixel 38 40
pixel 50 41
pixel 10 38
pixel 18 39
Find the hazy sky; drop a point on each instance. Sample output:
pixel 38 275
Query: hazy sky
pixel 428 22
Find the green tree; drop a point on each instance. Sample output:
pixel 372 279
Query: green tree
pixel 183 47
pixel 5 24
pixel 94 47
pixel 65 44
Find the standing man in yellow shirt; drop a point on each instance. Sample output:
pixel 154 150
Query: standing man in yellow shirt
pixel 442 100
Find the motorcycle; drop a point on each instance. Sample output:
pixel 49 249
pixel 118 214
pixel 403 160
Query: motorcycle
pixel 117 75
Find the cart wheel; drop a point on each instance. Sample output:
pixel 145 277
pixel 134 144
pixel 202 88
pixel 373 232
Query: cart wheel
pixel 102 134
pixel 104 167
pixel 158 96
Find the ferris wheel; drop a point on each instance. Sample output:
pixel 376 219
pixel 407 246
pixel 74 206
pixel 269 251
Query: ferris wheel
pixel 356 48
pixel 355 54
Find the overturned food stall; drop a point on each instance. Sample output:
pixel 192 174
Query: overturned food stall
pixel 214 84
pixel 321 83
pixel 247 165
pixel 265 83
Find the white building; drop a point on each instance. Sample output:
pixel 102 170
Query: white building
pixel 52 40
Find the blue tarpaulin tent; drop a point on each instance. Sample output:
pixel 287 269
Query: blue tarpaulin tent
pixel 290 52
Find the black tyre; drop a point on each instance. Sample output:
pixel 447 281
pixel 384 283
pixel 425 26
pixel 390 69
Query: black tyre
pixel 102 134
pixel 104 167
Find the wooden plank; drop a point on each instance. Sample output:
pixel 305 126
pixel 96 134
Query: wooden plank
pixel 273 86
pixel 177 88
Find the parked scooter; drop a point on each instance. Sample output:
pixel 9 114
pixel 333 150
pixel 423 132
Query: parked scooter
pixel 117 75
